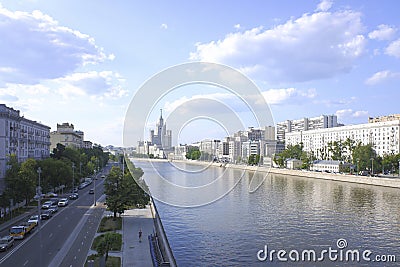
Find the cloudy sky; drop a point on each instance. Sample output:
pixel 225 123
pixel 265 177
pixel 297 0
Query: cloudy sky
pixel 82 61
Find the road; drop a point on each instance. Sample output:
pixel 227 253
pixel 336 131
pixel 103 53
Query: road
pixel 63 240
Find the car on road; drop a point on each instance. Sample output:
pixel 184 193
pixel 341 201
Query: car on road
pixel 73 196
pixel 47 205
pixel 46 215
pixel 103 176
pixel 51 194
pixel 6 242
pixel 34 219
pixel 63 202
pixel 91 191
pixel 53 208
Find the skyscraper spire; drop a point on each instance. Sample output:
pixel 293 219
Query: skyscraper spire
pixel 161 113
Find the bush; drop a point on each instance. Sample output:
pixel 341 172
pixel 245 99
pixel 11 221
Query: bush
pixel 110 224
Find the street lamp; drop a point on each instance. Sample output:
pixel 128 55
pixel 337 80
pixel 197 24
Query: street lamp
pixel 73 177
pixel 372 167
pixel 358 166
pixel 94 189
pixel 39 194
pixel 399 168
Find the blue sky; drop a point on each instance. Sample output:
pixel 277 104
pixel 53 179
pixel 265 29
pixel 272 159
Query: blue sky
pixel 82 61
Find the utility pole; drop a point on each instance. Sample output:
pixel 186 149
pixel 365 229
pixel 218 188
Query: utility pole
pixel 73 177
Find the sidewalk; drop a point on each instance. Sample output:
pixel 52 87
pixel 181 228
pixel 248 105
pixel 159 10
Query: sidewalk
pixel 135 253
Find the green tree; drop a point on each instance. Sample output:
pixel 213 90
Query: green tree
pixel 366 156
pixel 12 180
pixel 193 153
pixel 28 177
pixel 114 191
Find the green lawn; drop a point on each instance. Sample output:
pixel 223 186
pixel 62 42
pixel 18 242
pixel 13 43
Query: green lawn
pixel 110 224
pixel 114 246
pixel 111 261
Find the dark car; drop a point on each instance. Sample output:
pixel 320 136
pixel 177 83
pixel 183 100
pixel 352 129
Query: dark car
pixel 6 242
pixel 46 215
pixel 53 208
pixel 73 196
pixel 91 191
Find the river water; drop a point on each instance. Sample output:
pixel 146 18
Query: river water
pixel 288 213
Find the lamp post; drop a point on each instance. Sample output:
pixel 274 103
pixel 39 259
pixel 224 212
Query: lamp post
pixel 399 168
pixel 372 167
pixel 39 194
pixel 358 166
pixel 94 189
pixel 73 177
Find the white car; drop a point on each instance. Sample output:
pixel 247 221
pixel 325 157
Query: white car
pixel 34 219
pixel 63 202
pixel 47 204
pixel 6 242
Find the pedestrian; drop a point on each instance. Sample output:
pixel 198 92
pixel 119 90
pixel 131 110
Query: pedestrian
pixel 140 235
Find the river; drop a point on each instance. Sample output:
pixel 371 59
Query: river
pixel 293 214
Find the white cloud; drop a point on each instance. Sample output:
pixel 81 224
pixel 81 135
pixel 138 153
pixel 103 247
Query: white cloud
pixel 164 26
pixel 384 32
pixel 314 46
pixel 324 5
pixel 287 95
pixel 348 114
pixel 237 26
pixel 382 76
pixel 394 49
pixel 93 83
pixel 35 47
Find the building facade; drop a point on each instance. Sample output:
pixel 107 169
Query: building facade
pixel 67 136
pixel 305 124
pixel 21 137
pixel 161 136
pixel 384 137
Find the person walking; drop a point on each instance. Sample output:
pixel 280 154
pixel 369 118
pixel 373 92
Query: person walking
pixel 140 235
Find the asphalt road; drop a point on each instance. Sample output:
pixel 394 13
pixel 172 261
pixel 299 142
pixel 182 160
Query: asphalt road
pixel 65 238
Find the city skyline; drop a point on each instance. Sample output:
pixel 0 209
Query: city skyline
pixel 308 59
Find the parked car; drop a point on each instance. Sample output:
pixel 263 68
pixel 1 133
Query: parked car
pixel 53 208
pixel 51 194
pixel 34 219
pixel 91 191
pixel 46 215
pixel 103 176
pixel 6 242
pixel 73 196
pixel 63 202
pixel 47 205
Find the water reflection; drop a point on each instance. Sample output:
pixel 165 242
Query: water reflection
pixel 286 212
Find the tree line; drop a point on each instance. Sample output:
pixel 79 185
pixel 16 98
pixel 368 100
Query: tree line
pixel 362 157
pixel 124 188
pixel 64 164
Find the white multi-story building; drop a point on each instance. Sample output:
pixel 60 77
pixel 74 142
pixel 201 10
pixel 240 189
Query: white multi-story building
pixel 21 137
pixel 305 124
pixel 384 136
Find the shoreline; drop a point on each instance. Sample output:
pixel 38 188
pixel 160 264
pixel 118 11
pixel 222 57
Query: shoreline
pixel 376 181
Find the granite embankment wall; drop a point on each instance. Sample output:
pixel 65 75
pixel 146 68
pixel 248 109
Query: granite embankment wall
pixel 378 181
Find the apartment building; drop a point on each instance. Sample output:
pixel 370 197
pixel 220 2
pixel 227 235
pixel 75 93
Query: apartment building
pixel 305 124
pixel 22 137
pixel 67 136
pixel 383 135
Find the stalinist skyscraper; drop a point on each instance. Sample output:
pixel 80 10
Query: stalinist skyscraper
pixel 161 136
